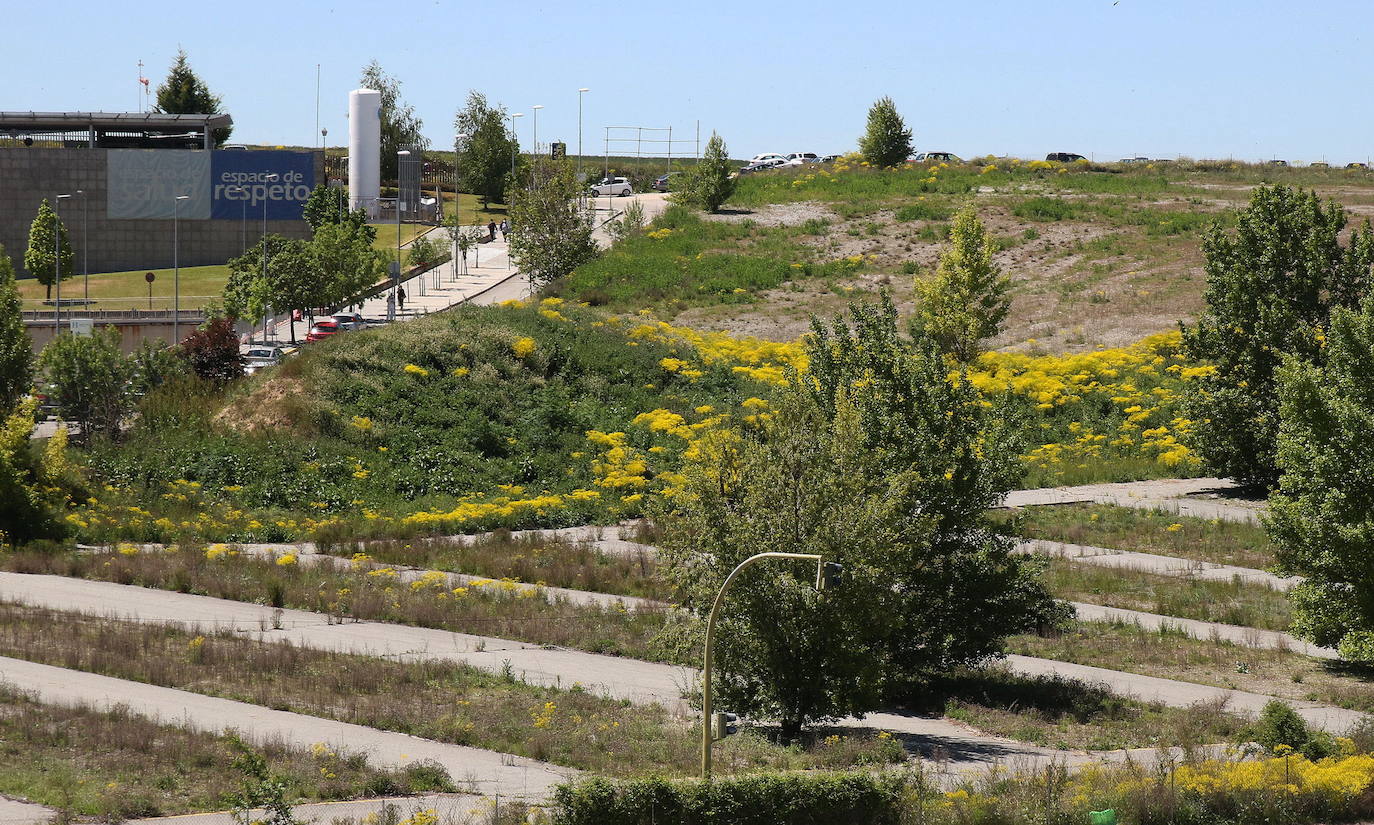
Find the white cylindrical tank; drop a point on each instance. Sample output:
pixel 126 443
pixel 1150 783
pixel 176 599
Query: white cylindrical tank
pixel 364 149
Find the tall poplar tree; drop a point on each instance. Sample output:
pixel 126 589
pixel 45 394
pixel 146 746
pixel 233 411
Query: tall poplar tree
pixel 16 352
pixel 888 140
pixel 38 258
pixel 400 126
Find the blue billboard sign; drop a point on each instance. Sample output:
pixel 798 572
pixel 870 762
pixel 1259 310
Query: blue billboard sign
pixel 245 178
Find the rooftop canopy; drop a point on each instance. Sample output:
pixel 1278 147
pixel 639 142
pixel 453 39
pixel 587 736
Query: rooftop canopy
pixel 109 130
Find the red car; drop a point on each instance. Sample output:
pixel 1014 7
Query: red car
pixel 322 330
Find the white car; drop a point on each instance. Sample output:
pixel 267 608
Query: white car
pixel 766 156
pixel 800 158
pixel 256 358
pixel 613 186
pixel 349 321
pixel 770 163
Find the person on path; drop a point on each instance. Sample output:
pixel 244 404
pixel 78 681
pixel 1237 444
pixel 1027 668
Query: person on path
pixel 505 229
pixel 401 298
pixel 390 307
pixel 491 231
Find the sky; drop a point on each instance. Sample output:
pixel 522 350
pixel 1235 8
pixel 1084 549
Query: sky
pixel 1245 79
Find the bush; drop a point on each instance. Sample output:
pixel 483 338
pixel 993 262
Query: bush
pixel 922 211
pixel 1044 209
pixel 1281 730
pixel 212 352
pixel 833 799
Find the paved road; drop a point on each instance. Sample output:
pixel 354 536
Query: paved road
pixel 1195 497
pixel 452 809
pixel 488 772
pixel 14 812
pixel 1151 563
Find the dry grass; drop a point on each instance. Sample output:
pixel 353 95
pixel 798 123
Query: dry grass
pixel 1248 605
pixel 115 764
pixel 443 701
pixel 1171 654
pixel 1142 531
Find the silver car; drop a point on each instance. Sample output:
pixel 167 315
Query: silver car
pixel 613 186
pixel 349 321
pixel 256 358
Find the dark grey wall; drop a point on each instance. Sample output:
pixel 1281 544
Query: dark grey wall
pixel 28 175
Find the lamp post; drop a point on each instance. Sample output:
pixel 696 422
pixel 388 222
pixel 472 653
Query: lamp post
pixel 57 263
pixel 457 204
pixel 515 142
pixel 397 280
pixel 580 92
pixel 822 571
pixel 85 250
pixel 176 268
pixel 243 217
pixel 534 150
pixel 266 310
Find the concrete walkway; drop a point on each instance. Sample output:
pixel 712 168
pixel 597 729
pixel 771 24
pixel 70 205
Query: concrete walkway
pixel 14 812
pixel 1151 563
pixel 1181 496
pixel 484 772
pixel 450 808
pixel 1207 631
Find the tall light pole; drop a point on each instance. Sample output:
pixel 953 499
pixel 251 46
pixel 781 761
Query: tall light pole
pixel 534 150
pixel 243 217
pixel 824 574
pixel 580 92
pixel 265 313
pixel 176 268
pixel 457 204
pixel 515 142
pixel 57 263
pixel 397 280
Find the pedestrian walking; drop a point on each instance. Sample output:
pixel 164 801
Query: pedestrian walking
pixel 505 229
pixel 491 231
pixel 401 298
pixel 390 307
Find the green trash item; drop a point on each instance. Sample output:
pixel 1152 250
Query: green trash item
pixel 1107 817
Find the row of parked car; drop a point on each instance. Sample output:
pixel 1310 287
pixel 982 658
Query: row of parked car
pixel 773 160
pixel 261 356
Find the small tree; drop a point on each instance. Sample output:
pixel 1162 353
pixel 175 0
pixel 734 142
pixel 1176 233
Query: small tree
pixel 966 302
pixel 32 481
pixel 16 351
pixel 424 250
pixel 345 263
pixel 709 184
pixel 888 140
pixel 184 93
pixel 1322 516
pixel 400 126
pixel 38 258
pixel 89 375
pixel 259 789
pixel 484 158
pixel 327 205
pixel 630 223
pixel 212 352
pixel 293 280
pixel 550 236
pixel 1271 287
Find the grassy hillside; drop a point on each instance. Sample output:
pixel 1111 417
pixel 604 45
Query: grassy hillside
pixel 1101 255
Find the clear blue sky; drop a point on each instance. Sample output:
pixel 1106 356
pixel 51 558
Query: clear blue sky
pixel 1253 79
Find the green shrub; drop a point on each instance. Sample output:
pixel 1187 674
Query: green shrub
pixel 833 799
pixel 923 211
pixel 1041 208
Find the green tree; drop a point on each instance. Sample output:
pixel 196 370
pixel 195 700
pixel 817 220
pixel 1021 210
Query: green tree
pixel 328 205
pixel 400 126
pixel 184 93
pixel 1322 515
pixel 710 183
pixel 796 485
pixel 1270 290
pixel 293 281
pixel 943 459
pixel 484 158
pixel 550 236
pixel 346 264
pixel 967 300
pixel 33 481
pixel 260 790
pixel 16 351
pixel 888 140
pixel 38 258
pixel 89 375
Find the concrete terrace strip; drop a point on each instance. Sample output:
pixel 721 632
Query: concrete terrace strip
pixel 14 812
pixel 1151 563
pixel 488 771
pixel 450 808
pixel 1181 496
pixel 1207 631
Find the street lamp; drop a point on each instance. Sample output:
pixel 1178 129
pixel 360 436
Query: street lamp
pixel 85 249
pixel 457 204
pixel 535 121
pixel 515 141
pixel 580 92
pixel 176 268
pixel 57 264
pixel 243 218
pixel 269 178
pixel 395 282
pixel 826 573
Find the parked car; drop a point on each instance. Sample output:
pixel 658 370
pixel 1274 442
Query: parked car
pixel 613 186
pixel 664 183
pixel 349 321
pixel 829 158
pixel 1135 160
pixel 800 158
pixel 1277 162
pixel 772 163
pixel 1319 164
pixel 936 157
pixel 256 358
pixel 322 330
pixel 1357 165
pixel 1064 157
pixel 765 156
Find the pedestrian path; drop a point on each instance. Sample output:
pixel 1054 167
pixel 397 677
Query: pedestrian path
pixel 1181 496
pixel 1151 563
pixel 1206 631
pixel 448 808
pixel 488 772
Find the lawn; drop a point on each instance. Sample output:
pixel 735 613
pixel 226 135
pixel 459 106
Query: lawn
pixel 128 290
